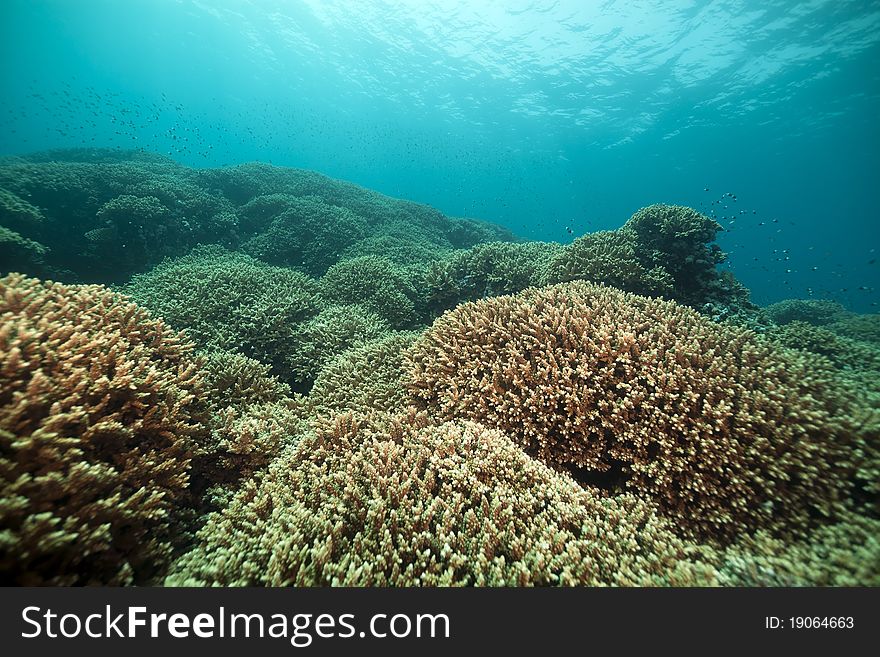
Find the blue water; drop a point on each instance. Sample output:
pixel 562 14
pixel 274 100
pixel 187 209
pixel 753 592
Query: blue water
pixel 554 118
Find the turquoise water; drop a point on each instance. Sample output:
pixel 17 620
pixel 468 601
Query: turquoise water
pixel 552 118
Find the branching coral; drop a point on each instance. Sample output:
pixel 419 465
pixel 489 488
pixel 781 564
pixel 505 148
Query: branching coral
pixel 233 380
pixel 366 378
pixel 724 430
pixel 608 257
pixel 846 553
pixel 231 302
pixel 375 283
pixel 858 327
pixel 483 271
pixel 134 231
pixel 401 502
pixel 309 235
pixel 662 250
pixel 260 211
pixel 98 416
pixel 20 253
pixel 106 217
pixel 402 251
pixel 679 240
pixel 254 417
pixel 19 215
pixel 464 233
pixel 328 334
pixel 844 353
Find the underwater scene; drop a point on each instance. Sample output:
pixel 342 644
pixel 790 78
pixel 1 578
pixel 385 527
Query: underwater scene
pixel 439 293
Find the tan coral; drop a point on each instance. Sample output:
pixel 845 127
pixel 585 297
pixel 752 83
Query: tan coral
pixel 369 502
pixel 98 415
pixel 725 430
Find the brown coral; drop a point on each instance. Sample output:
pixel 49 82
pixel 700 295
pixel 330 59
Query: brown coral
pixel 403 502
pixel 723 429
pixel 97 417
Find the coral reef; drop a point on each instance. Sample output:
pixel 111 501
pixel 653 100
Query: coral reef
pixel 267 407
pixel 229 301
pixel 254 417
pixel 98 417
pixel 17 214
pixel 817 312
pixel 482 271
pixel 375 283
pixel 403 503
pixel 256 215
pixel 364 379
pixel 726 432
pixel 662 250
pixel 382 214
pixel 105 218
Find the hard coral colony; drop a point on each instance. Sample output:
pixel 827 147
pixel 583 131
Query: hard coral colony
pixel 291 380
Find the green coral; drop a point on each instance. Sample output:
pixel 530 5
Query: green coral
pixel 680 241
pixel 230 301
pixel 20 253
pixel 846 553
pixel 254 416
pixel 260 211
pixel 308 235
pixel 232 380
pixel 19 215
pixel 375 283
pixel 845 353
pixel 482 271
pixel 104 215
pixel 328 334
pixel 817 312
pixel 609 257
pixel 858 327
pixel 109 216
pixel 402 251
pixel 366 378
